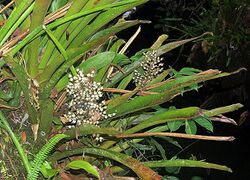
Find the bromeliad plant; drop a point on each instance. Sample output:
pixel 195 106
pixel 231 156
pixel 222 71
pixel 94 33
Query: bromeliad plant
pixel 64 70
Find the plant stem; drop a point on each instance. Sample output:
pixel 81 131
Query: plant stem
pixel 16 142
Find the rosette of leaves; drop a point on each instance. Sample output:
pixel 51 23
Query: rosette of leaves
pixel 40 48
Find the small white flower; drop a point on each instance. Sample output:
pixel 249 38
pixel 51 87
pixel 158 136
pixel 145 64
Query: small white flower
pixel 151 67
pixel 85 105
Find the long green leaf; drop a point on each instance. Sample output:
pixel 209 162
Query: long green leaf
pixel 15 15
pixel 22 78
pixel 47 114
pixel 121 99
pixel 37 18
pixel 63 68
pixel 80 164
pixel 142 102
pixel 76 51
pixel 100 60
pixel 83 31
pixel 88 129
pixel 39 30
pixel 18 22
pixel 186 163
pixel 142 171
pixel 170 46
pixel 4 124
pixel 186 81
pixel 66 29
pixel 180 163
pixel 162 50
pixel 177 114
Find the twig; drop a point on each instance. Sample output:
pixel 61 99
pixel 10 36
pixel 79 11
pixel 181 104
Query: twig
pixel 8 107
pixel 59 13
pixel 223 119
pixel 60 101
pixel 114 90
pixel 178 135
pixel 6 78
pixel 7 6
pixel 125 47
pixel 7 46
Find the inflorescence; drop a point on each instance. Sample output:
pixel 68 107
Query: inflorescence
pixel 86 105
pixel 151 67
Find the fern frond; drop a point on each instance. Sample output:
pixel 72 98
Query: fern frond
pixel 42 155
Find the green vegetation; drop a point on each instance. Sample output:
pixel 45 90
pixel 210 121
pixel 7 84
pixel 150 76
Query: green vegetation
pixel 76 106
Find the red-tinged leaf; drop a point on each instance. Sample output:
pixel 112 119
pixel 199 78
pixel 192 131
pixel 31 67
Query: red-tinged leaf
pixel 23 136
pixel 142 171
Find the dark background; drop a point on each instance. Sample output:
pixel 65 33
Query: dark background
pixel 222 92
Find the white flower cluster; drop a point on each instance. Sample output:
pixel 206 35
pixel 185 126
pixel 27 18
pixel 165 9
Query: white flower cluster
pixel 151 67
pixel 85 105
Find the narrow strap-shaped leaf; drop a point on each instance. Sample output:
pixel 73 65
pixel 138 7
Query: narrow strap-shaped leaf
pixel 63 68
pixel 121 99
pixel 39 30
pixel 15 15
pixel 170 46
pixel 180 163
pixel 160 77
pixel 142 171
pixel 177 114
pixel 125 82
pixel 56 42
pixel 59 47
pixel 158 43
pixel 60 32
pixel 37 18
pixel 4 124
pixel 186 81
pixel 47 114
pixel 83 32
pixel 88 129
pixel 22 78
pixel 116 46
pixel 25 14
pixel 142 102
pixel 222 110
